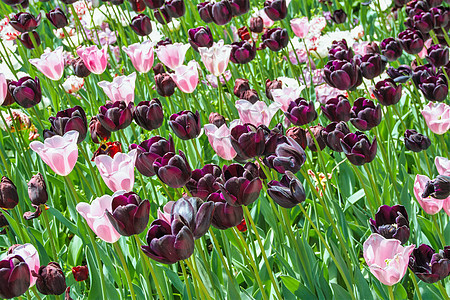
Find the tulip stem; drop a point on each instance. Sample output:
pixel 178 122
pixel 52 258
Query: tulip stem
pixel 36 294
pixel 125 269
pixel 391 292
pixel 91 169
pixel 186 280
pixel 442 290
pixel 374 186
pixel 366 192
pixel 416 286
pixel 197 277
pixel 438 229
pixel 219 251
pixel 49 231
pixel 196 151
pixel 165 189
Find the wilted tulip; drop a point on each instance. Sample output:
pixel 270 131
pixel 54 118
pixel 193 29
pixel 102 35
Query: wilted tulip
pixel 342 74
pixel 8 194
pixel 26 92
pixel 117 172
pixel 219 138
pixel 288 192
pixel 165 85
pixel 94 59
pixel 337 109
pixel 275 39
pixel 242 52
pixel 388 92
pixel 438 188
pixel 26 40
pixel 391 49
pixel 334 133
pixel 115 116
pixel 275 9
pixel 203 181
pixel 80 273
pixel 437 117
pixel 358 149
pixel 149 114
pixel 200 37
pixel 16 277
pixel 247 140
pixel 141 24
pixel 37 190
pixel 221 12
pixel 428 265
pixel 391 223
pixel 148 151
pixel 24 21
pixel 415 141
pixel 97 131
pixel 173 169
pixel 365 115
pixel 185 124
pixel 70 119
pixel 50 279
pixel 300 112
pixel 412 41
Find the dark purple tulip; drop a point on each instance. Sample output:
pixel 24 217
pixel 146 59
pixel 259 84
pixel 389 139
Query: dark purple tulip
pixel 247 140
pixel 13 3
pixel 288 156
pixel 159 69
pixel 415 141
pixel 412 40
pixel 26 41
pixel 423 21
pixel 173 169
pixel 37 190
pixel 50 279
pixel 334 133
pixel 148 151
pixel 176 8
pixel 342 75
pixel 337 109
pixel 165 86
pixel 149 114
pixel 185 124
pixel 373 48
pixel 256 24
pixel 79 68
pixel 438 188
pixel 205 11
pixel 15 275
pixel 24 22
pixel 340 51
pixel 70 119
pixel 57 17
pixel 391 48
pixel 275 9
pixel 8 194
pixel 441 16
pixel 129 214
pixel 372 65
pixel 388 92
pixel 275 39
pixel 141 24
pixel 273 138
pixel 169 243
pixel 239 186
pixel 154 4
pixel 428 265
pixel 365 115
pixel 358 149
pixel 434 88
pixel 97 131
pixel 317 133
pixel 339 16
pixel 299 135
pixel 240 7
pixel 26 92
pixel 203 181
pixel 216 119
pixel 300 112
pixel 137 6
pixel 251 96
pixel 242 52
pixel 200 37
pixel 391 223
pixel 415 7
pixel 162 15
pixel 225 215
pixel 438 55
pixel 240 87
pixel 115 116
pixel 221 12
pixel 288 192
pixel 272 85
pixel 402 74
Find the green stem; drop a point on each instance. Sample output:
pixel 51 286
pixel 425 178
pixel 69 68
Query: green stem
pixel 50 233
pixel 374 186
pixel 439 232
pixel 199 280
pixel 125 269
pixel 197 152
pixel 391 293
pixel 442 290
pixel 186 281
pixel 416 286
pixel 219 251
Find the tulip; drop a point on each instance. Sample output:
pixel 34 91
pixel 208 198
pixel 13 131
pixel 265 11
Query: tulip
pixel 386 258
pixel 365 115
pixel 275 39
pixel 120 89
pixel 8 194
pixel 391 49
pixel 216 57
pixel 256 24
pixel 272 138
pixel 415 141
pixel 438 55
pixel 163 16
pixel 339 16
pixel 94 59
pixel 141 55
pixel 285 96
pixel 298 134
pixel 165 85
pixel 300 112
pixel 219 138
pixel 442 165
pixel 247 140
pixel 422 21
pixel 438 188
pixel 217 119
pixel 437 117
pixel 288 156
pixel 185 124
pixel 221 12
pixel 97 131
pixel 57 17
pixel 173 169
pixel 428 265
pixel 340 51
pixel 172 55
pixel 391 223
pixel 154 4
pixel 333 134
pixel 257 113
pixel 434 88
pixel 108 148
pixel 205 11
pixel 26 40
pixel 51 64
pixel 203 181
pixel 275 9
pixel 430 205
pixel 148 151
pixel 337 109
pixel 26 92
pixel 412 41
pixel 16 277
pixel 300 27
pixel 242 52
pixel 141 24
pixel 288 192
pixel 240 87
pixel 60 153
pixel 3 88
pixel 149 114
pixel 372 65
pixel 240 7
pixel 358 149
pixel 80 273
pixel 275 85
pixel 186 77
pixel 402 74
pixel 31 257
pixel 70 119
pixel 200 37
pixel 318 137
pixel 225 215
pixel 50 279
pixel 175 8
pixel 115 116
pixel 117 172
pixel 342 75
pixel 129 214
pixel 388 92
pixel 24 22
pixel 96 218
pixel 37 190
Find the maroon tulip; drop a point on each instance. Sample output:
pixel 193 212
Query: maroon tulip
pixel 428 265
pixel 240 87
pixel 79 68
pixel 216 119
pixel 288 156
pixel 15 275
pixel 300 112
pixel 337 109
pixel 415 141
pixel 175 8
pixel 365 115
pixel 185 124
pixel 141 24
pixel 162 15
pixel 402 74
pixel 358 149
pixel 203 181
pixel 388 92
pixel 391 49
pixel 438 188
pixel 339 16
pixel 24 22
pixel 334 133
pixel 412 41
pixel 438 55
pixel 318 137
pixel 165 86
pixel 221 12
pixel 248 141
pixel 225 215
pixel 115 116
pixel 173 169
pixel 340 51
pixel 57 17
pixel 98 132
pixel 154 4
pixel 275 9
pixel 205 11
pixel 26 41
pixel 256 24
pixel 288 192
pixel 37 190
pixel 299 135
pixel 50 279
pixel 200 37
pixel 342 75
pixel 391 222
pixel 26 92
pixel 242 52
pixel 80 273
pixel 70 119
pixel 240 7
pixel 8 194
pixel 371 65
pixel 272 85
pixel 149 114
pixel 275 39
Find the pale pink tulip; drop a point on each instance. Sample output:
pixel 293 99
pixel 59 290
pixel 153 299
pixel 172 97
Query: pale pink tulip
pixel 219 138
pixel 186 77
pixel 300 27
pixel 258 113
pixel 117 172
pixel 430 205
pixel 446 206
pixel 437 117
pixel 73 84
pixel 216 58
pixel 95 59
pixel 3 88
pixel 121 88
pixel 95 216
pixel 424 51
pixel 172 55
pixel 387 258
pixel 31 256
pixel 285 96
pixel 60 153
pixel 51 64
pixel 442 165
pixel 141 55
pixel 324 92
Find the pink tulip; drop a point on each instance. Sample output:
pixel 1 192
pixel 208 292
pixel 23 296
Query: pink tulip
pixel 95 216
pixel 285 96
pixel 258 113
pixel 31 256
pixel 219 138
pixel 117 172
pixel 216 58
pixel 3 88
pixel 95 59
pixel 386 258
pixel 142 55
pixel 51 64
pixel 437 117
pixel 442 165
pixel 172 55
pixel 60 153
pixel 446 206
pixel 430 205
pixel 300 27
pixel 186 77
pixel 121 88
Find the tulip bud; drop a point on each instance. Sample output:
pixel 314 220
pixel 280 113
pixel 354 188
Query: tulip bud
pixel 300 112
pixel 339 16
pixel 276 10
pixel 26 92
pixel 365 115
pixel 317 133
pixel 205 11
pixel 26 40
pixel 337 109
pixel 275 39
pixel 50 279
pixel 149 114
pixel 240 87
pixel 415 141
pixel 221 12
pixel 80 273
pixel 334 133
pixel 8 194
pixel 438 188
pixel 256 24
pixel 173 169
pixel 98 132
pixel 358 149
pixel 387 92
pixel 288 192
pixel 200 37
pixel 37 190
pixel 175 8
pixel 298 134
pixel 165 86
pixel 57 17
pixel 115 116
pixel 216 119
pixel 15 277
pixel 185 124
pixel 70 119
pixel 242 52
pixel 79 68
pixel 141 24
pixel 391 49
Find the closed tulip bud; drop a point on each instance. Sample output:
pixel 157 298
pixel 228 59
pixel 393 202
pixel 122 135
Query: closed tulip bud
pixel 221 12
pixel 276 10
pixel 149 114
pixel 288 156
pixel 317 133
pixel 57 17
pixel 200 37
pixel 391 49
pixel 402 74
pixel 26 92
pixel 175 8
pixel 173 169
pixel 300 112
pixel 185 124
pixel 225 215
pixel 8 194
pixel 438 188
pixel 16 277
pixel 141 24
pixel 272 85
pixel 388 92
pixel 256 24
pixel 50 279
pixel 247 140
pixel 358 149
pixel 37 190
pixel 391 223
pixel 98 132
pixel 299 135
pixel 428 265
pixel 275 39
pixel 288 192
pixel 251 96
pixel 24 22
pixel 115 116
pixel 26 40
pixel 205 11
pixel 165 86
pixel 240 87
pixel 365 115
pixel 216 119
pixel 80 273
pixel 163 16
pixel 203 181
pixel 154 4
pixel 242 52
pixel 415 141
pixel 333 134
pixel 240 7
pixel 371 65
pixel 412 41
pixel 339 16
pixel 438 55
pixel 342 75
pixel 79 68
pixel 337 109
pixel 70 119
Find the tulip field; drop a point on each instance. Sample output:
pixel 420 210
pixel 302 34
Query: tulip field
pixel 227 149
